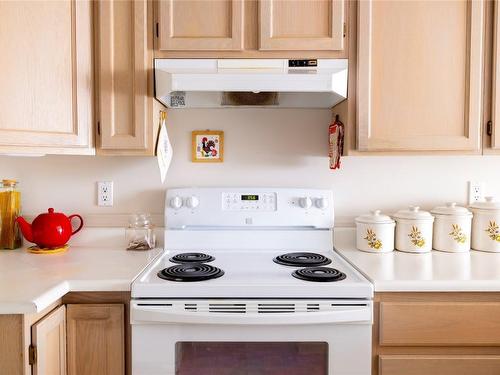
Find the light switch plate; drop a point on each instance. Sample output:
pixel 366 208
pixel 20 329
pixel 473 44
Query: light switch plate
pixel 105 193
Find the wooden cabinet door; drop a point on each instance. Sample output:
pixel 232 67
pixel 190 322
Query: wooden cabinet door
pixel 439 364
pixel 200 25
pixel 48 337
pixel 95 336
pixel 301 25
pixel 495 131
pixel 123 62
pixel 420 75
pixel 439 324
pixel 46 76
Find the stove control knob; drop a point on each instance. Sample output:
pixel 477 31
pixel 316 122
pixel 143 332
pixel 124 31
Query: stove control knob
pixel 321 203
pixel 192 202
pixel 305 202
pixel 176 202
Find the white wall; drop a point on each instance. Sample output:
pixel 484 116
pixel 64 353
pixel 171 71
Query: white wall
pixel 262 148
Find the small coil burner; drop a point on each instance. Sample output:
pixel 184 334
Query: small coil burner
pixel 192 258
pixel 302 260
pixel 190 272
pixel 324 274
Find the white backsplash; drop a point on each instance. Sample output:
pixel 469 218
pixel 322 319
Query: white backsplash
pixel 262 148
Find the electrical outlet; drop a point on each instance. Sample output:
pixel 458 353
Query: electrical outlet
pixel 105 193
pixel 476 192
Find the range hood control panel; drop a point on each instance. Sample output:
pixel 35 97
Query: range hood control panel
pixel 303 63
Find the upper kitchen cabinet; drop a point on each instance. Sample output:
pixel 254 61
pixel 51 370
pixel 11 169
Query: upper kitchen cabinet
pixel 251 28
pixel 200 25
pixel 301 25
pixel 494 127
pixel 124 77
pixel 420 67
pixel 46 77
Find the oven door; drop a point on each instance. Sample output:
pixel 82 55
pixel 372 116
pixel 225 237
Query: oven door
pixel 251 337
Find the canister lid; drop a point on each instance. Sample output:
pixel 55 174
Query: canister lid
pixel 9 182
pixel 374 217
pixel 489 203
pixel 413 213
pixel 451 208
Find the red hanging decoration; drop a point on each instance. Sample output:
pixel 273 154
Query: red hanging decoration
pixel 336 136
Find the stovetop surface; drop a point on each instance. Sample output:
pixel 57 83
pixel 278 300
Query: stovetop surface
pixel 250 274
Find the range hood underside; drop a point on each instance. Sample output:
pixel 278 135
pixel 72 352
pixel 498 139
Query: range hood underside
pixel 215 99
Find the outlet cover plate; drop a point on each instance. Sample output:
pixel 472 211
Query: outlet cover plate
pixel 476 191
pixel 105 193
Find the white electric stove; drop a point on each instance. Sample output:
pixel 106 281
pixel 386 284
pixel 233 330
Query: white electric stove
pixel 249 283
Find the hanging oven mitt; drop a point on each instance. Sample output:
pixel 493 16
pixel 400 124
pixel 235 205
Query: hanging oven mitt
pixel 336 138
pixel 163 147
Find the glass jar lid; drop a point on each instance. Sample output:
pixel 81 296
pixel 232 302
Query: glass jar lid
pixel 9 182
pixel 140 221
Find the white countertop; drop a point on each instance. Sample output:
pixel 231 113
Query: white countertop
pixel 97 261
pixel 31 282
pixel 432 272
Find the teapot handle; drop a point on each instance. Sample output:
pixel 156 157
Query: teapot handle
pixel 81 223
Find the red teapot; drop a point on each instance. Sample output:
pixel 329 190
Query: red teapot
pixel 49 230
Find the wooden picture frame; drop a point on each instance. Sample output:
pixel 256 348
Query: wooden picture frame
pixel 207 146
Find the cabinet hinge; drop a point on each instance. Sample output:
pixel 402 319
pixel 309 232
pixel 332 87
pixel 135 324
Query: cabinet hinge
pixel 32 354
pixel 157 29
pixel 489 128
pixel 98 127
pixel 345 29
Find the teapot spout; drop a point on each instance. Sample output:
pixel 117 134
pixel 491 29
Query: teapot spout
pixel 25 228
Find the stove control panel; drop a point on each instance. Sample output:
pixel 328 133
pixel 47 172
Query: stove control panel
pixel 237 201
pixel 247 207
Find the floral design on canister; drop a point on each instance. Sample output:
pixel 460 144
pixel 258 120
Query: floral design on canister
pixel 416 237
pixel 458 234
pixel 372 239
pixel 493 231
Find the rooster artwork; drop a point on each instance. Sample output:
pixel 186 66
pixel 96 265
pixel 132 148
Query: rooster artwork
pixel 207 146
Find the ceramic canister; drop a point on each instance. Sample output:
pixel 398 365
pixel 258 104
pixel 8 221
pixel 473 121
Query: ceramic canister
pixel 413 230
pixel 486 225
pixel 452 228
pixel 375 233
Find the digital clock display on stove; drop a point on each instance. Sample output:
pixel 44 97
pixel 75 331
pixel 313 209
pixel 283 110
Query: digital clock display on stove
pixel 249 197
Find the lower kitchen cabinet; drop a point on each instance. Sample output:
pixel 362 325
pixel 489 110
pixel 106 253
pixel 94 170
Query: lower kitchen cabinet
pixel 47 352
pixel 82 333
pixel 439 364
pixel 96 339
pixel 436 333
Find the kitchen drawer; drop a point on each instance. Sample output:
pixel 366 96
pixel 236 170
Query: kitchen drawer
pixel 439 364
pixel 439 324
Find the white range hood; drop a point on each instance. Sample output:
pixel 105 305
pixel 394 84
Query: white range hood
pixel 211 83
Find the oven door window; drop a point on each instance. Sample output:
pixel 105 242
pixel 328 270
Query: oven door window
pixel 250 358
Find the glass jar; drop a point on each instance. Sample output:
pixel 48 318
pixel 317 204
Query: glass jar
pixel 140 233
pixel 10 209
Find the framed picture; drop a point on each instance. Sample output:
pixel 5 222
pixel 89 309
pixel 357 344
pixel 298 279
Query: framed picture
pixel 207 146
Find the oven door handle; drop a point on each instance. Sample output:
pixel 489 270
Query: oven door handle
pixel 143 314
